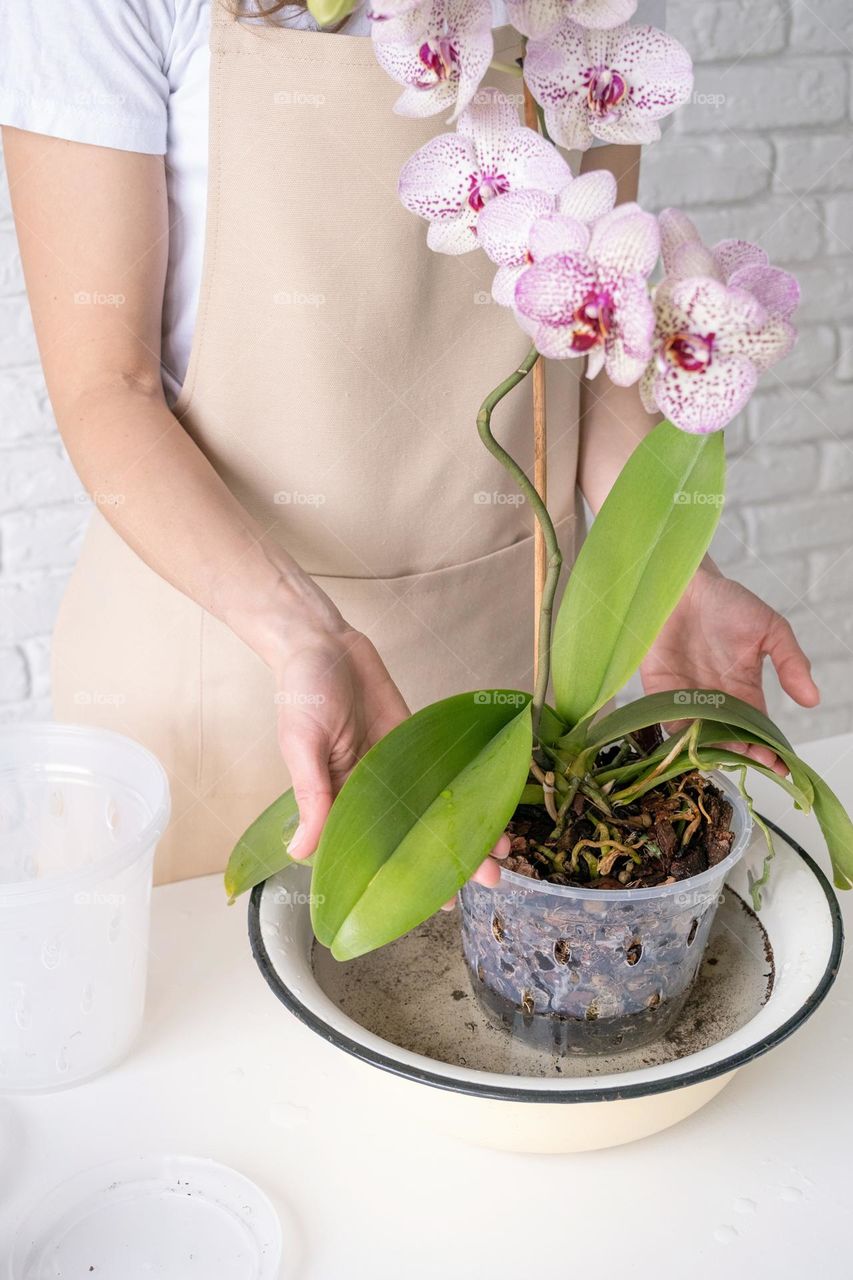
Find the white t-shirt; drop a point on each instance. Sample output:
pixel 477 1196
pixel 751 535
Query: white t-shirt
pixel 133 74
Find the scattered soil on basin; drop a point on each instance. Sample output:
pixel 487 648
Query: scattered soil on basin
pixel 416 993
pixel 676 830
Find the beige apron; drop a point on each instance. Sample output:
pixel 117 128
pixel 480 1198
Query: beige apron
pixel 336 371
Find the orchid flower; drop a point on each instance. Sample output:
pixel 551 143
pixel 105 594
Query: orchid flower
pixel 505 225
pixel 538 18
pixel 737 263
pixel 721 320
pixel 440 51
pixel 587 291
pixel 612 85
pixel 452 177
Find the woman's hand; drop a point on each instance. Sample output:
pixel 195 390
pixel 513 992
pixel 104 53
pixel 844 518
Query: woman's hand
pixel 717 638
pixel 336 700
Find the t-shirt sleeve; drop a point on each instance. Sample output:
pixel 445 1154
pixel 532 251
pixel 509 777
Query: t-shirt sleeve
pixel 88 70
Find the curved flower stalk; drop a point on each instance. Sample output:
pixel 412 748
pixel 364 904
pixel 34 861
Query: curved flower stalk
pixel 538 18
pixel 451 179
pixel 721 320
pixel 505 225
pixel 439 51
pixel 587 293
pixel 612 85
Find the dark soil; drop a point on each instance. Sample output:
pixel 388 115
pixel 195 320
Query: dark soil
pixel 674 831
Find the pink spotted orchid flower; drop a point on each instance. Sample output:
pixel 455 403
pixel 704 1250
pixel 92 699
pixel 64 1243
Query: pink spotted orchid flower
pixel 538 18
pixel 722 318
pixel 439 51
pixel 505 226
pixel 613 85
pixel 452 178
pixel 587 292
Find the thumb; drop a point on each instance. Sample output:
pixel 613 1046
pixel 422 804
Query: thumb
pixel 792 666
pixel 307 758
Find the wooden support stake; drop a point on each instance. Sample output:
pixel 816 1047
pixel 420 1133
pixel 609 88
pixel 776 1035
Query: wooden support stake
pixel 540 444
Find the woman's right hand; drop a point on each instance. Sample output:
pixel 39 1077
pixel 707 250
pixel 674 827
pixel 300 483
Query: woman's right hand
pixel 335 701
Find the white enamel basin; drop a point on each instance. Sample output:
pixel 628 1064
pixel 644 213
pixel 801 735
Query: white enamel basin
pixel 799 913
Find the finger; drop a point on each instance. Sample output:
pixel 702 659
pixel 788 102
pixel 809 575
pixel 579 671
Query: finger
pixel 307 758
pixel 449 905
pixel 502 848
pixel 488 873
pixel 761 755
pixel 792 666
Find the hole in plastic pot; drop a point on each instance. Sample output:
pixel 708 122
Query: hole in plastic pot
pixel 653 1000
pixel 694 925
pixel 562 951
pixel 592 1012
pixel 634 952
pixel 497 928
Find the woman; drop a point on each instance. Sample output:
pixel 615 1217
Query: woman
pixel 297 534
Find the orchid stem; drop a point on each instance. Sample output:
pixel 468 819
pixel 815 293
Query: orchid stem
pixel 552 546
pixel 508 68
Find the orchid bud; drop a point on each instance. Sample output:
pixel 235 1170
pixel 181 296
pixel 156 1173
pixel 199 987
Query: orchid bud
pixel 328 12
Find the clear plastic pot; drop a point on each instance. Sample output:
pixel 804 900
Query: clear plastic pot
pixel 81 810
pixel 592 970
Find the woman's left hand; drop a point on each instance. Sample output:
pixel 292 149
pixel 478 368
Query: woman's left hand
pixel 717 638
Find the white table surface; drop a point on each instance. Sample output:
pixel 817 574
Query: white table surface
pixel 757 1184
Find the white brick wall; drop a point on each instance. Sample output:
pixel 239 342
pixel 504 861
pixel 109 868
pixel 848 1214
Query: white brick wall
pixel 765 151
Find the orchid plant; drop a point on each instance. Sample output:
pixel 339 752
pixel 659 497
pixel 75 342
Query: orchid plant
pixel 579 273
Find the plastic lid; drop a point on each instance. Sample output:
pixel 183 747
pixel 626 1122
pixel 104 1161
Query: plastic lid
pixel 151 1218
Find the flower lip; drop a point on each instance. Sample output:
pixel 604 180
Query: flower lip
pixel 483 187
pixel 440 58
pixel 593 320
pixel 692 352
pixel 605 91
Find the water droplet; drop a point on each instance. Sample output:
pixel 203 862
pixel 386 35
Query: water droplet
pixel 51 952
pixel 790 1194
pixel 23 1009
pixel 87 999
pixel 725 1234
pixel 744 1205
pixel 447 794
pixel 112 815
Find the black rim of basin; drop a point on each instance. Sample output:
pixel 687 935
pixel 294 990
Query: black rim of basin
pixel 518 1093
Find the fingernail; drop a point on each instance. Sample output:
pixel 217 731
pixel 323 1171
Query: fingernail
pixel 296 840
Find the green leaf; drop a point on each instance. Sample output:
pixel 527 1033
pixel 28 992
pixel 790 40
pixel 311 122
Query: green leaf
pixel 417 816
pixel 836 827
pixel 261 851
pixel 551 726
pixel 682 704
pixel 641 552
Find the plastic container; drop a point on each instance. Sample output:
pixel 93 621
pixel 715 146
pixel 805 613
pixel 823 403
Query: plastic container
pixel 171 1217
pixel 592 970
pixel 81 810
